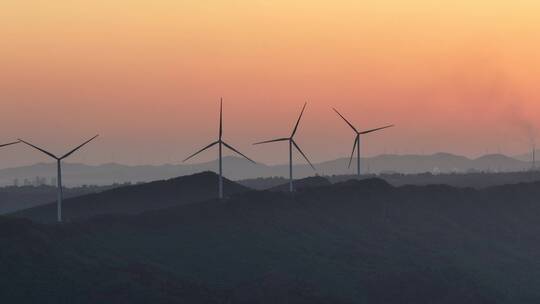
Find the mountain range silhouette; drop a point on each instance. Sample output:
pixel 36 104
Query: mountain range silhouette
pixel 236 168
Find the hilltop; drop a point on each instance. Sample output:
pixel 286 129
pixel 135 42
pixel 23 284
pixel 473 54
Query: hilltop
pixel 135 199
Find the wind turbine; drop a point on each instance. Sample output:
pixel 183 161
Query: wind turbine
pixel 221 143
pixel 534 156
pixel 356 144
pixel 59 171
pixel 292 143
pixel 9 144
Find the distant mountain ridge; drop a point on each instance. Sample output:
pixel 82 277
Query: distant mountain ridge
pixel 236 168
pixel 304 183
pixel 528 156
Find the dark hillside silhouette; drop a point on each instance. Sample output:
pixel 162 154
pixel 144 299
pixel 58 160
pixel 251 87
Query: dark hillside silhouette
pixel 350 242
pixel 17 198
pixel 136 198
pixel 471 179
pixel 40 264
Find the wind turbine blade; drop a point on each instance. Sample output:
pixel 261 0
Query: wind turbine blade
pixel 272 140
pixel 350 124
pixel 201 150
pixel 221 118
pixel 78 147
pixel 353 149
pixel 9 144
pixel 233 149
pixel 38 148
pixel 298 121
pixel 304 155
pixel 377 129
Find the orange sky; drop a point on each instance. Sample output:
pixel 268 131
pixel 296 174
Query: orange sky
pixel 456 76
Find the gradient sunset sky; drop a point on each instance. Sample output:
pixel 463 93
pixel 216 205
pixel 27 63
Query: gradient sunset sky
pixel 455 76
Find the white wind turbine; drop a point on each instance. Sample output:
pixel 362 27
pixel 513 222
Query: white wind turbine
pixel 59 171
pixel 221 143
pixel 292 143
pixel 356 144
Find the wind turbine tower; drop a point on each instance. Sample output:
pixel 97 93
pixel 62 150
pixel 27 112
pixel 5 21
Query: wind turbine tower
pixel 534 157
pixel 356 144
pixel 220 142
pixel 59 171
pixel 292 143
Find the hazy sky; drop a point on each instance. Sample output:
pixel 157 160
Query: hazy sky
pixel 459 76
